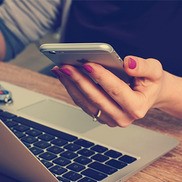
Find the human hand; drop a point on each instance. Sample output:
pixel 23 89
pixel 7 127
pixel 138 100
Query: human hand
pixel 120 104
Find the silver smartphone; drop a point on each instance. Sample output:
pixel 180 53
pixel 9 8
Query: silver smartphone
pixel 77 54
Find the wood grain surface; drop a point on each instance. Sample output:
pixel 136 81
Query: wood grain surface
pixel 167 169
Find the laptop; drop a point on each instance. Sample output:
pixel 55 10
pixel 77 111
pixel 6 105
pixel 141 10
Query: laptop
pixel 44 139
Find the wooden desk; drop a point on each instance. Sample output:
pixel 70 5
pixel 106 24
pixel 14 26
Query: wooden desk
pixel 167 169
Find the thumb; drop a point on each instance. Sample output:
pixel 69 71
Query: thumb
pixel 139 67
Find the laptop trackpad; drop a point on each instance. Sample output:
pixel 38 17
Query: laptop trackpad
pixel 60 115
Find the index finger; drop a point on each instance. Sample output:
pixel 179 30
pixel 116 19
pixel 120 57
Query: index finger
pixel 115 87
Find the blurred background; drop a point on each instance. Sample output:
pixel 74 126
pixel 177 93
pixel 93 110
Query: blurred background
pixel 31 58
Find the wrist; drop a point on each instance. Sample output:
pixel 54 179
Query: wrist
pixel 169 99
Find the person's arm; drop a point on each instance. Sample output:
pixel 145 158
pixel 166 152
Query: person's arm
pixel 3 48
pixel 23 22
pixel 121 104
pixel 171 100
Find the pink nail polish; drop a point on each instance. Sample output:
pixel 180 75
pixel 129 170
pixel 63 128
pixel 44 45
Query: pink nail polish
pixel 88 68
pixel 66 71
pixel 132 63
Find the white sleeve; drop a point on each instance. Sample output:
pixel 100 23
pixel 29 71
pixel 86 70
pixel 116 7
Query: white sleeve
pixel 31 19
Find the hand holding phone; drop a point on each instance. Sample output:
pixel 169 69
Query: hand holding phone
pixel 77 54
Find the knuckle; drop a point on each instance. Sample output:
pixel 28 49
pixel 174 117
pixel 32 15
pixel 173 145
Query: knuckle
pixel 157 67
pixel 114 91
pixel 111 125
pixel 131 117
pixel 99 72
pixel 78 80
pixel 98 78
pixel 118 119
pixel 158 71
pixel 124 124
pixel 138 114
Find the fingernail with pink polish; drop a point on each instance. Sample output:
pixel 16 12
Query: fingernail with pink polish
pixel 132 63
pixel 88 68
pixel 66 71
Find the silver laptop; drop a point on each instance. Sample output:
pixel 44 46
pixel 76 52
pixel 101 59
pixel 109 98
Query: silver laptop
pixel 44 139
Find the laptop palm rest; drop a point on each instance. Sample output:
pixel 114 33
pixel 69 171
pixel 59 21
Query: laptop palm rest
pixel 59 115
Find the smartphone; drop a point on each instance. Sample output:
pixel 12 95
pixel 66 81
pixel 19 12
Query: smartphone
pixel 77 54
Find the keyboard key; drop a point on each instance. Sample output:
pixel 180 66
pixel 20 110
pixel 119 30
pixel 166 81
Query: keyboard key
pixel 21 128
pixel 86 152
pixel 33 132
pixel 113 153
pixel 46 137
pixel 46 129
pixel 83 160
pixel 42 144
pixel 85 179
pixel 69 155
pixel 59 142
pixel 47 163
pixel 102 168
pixel 10 123
pixel 73 147
pixel 18 134
pixel 75 167
pixel 55 149
pixel 36 150
pixel 57 170
pixel 72 176
pixel 84 143
pixel 96 175
pixel 99 148
pixel 127 159
pixel 62 161
pixel 47 156
pixel 29 139
pixel 27 145
pixel 100 158
pixel 116 164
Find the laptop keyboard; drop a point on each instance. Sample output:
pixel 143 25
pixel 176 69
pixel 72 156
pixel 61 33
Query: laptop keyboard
pixel 68 157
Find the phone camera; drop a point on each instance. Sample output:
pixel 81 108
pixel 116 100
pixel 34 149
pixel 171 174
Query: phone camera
pixel 52 52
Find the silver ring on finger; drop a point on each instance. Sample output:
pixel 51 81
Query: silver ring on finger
pixel 95 117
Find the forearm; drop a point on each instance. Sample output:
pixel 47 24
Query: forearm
pixel 12 45
pixel 39 18
pixel 171 95
pixel 3 47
